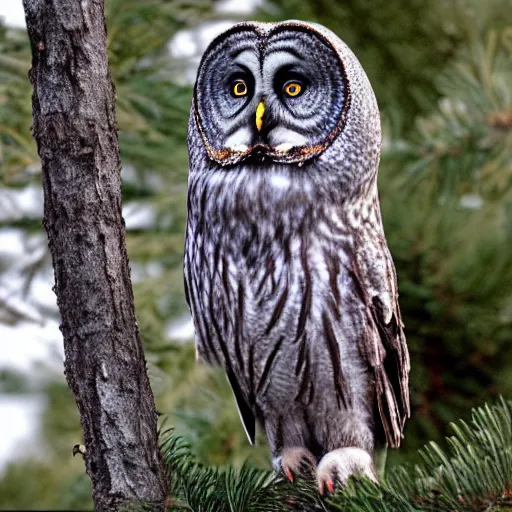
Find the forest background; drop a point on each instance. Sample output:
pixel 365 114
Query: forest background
pixel 442 73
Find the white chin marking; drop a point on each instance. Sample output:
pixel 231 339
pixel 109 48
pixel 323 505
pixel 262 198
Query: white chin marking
pixel 240 140
pixel 283 139
pixel 285 146
pixel 240 147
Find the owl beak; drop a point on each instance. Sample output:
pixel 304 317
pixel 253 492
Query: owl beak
pixel 260 110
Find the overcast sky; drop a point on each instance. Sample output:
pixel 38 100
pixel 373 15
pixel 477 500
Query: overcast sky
pixel 12 12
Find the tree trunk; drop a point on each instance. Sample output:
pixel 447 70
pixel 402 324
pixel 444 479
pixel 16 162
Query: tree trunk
pixel 75 129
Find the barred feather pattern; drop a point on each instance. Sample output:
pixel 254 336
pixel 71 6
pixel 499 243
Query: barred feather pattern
pixel 293 290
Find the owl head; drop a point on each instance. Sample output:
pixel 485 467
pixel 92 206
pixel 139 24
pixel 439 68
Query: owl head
pixel 282 92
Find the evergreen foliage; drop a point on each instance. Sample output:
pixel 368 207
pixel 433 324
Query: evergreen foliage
pixel 474 473
pixel 17 149
pixel 446 201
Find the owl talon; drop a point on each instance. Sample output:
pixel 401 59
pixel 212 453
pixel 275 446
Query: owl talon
pixel 295 462
pixel 338 466
pixel 330 487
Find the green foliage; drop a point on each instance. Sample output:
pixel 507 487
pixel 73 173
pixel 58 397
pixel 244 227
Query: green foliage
pixel 17 149
pixel 473 474
pixel 477 472
pixel 34 485
pixel 197 487
pixel 446 200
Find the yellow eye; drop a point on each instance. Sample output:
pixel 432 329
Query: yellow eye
pixel 292 88
pixel 239 88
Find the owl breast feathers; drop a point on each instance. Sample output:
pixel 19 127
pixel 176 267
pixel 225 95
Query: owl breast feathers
pixel 288 275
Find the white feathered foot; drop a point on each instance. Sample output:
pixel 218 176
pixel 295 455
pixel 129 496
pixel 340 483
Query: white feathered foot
pixel 338 466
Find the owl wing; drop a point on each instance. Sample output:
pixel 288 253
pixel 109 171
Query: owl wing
pixel 384 344
pixel 246 415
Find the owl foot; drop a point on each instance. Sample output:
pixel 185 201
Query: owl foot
pixel 338 466
pixel 295 462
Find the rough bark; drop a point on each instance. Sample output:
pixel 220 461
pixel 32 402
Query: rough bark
pixel 75 129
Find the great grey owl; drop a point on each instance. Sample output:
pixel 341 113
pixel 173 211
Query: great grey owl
pixel 288 275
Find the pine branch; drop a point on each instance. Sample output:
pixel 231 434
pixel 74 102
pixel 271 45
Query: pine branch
pixel 474 473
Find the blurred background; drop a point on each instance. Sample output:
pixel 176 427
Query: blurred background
pixel 442 73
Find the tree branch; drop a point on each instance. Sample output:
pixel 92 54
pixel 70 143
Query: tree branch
pixel 75 129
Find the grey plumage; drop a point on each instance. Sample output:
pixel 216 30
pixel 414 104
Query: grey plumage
pixel 287 272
